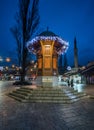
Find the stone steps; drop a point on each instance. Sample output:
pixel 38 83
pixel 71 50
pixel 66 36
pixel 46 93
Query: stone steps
pixel 47 94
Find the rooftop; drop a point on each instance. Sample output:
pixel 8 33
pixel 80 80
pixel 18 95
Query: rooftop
pixel 47 33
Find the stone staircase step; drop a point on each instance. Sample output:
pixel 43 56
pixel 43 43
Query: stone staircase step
pixel 47 94
pixel 25 90
pixel 19 95
pixel 49 101
pixel 22 93
pixel 49 98
pixel 15 97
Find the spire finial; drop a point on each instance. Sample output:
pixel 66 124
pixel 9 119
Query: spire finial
pixel 75 42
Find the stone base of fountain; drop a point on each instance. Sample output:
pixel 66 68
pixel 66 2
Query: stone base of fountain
pixel 47 81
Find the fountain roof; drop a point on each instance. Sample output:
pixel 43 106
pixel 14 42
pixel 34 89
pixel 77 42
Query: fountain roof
pixel 59 43
pixel 47 33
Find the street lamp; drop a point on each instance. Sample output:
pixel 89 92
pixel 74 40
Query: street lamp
pixel 13 66
pixel 6 68
pixel 8 59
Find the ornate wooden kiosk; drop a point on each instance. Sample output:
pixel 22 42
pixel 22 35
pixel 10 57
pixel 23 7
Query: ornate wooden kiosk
pixel 47 46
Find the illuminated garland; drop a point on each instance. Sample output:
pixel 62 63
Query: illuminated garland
pixel 63 49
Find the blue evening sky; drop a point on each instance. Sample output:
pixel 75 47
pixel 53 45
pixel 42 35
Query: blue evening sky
pixel 66 18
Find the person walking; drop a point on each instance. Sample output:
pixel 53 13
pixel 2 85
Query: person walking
pixel 68 83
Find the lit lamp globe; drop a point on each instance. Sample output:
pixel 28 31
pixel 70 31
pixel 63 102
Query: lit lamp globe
pixel 13 66
pixel 8 60
pixel 68 68
pixel 6 67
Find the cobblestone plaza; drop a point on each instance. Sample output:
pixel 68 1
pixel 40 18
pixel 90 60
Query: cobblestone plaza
pixel 15 115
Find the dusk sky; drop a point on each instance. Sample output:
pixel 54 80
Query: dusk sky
pixel 66 18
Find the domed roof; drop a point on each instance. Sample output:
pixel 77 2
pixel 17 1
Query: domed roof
pixel 47 33
pixel 59 43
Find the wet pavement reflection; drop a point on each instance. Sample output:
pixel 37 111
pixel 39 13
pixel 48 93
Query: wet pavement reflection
pixel 45 116
pixel 79 87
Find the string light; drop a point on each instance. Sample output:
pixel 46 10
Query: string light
pixel 64 44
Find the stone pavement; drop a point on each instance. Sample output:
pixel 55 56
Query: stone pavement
pixel 88 89
pixel 44 116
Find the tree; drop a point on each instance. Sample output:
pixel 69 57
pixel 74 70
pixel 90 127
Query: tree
pixel 15 33
pixel 27 21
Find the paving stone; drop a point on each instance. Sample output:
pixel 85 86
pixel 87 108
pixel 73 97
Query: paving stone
pixel 44 116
